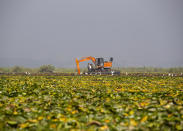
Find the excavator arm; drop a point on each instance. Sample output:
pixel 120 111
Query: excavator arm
pixel 84 59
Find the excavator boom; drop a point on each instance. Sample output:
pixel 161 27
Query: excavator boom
pixel 84 59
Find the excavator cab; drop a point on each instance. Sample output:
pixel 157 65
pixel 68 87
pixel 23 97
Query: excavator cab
pixel 99 62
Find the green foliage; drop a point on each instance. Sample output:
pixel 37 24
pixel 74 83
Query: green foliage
pixel 17 69
pixel 91 103
pixel 46 69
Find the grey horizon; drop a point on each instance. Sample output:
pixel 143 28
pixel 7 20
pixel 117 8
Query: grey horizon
pixel 134 33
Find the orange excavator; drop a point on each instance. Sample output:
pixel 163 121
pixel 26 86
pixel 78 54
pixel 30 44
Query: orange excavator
pixel 99 66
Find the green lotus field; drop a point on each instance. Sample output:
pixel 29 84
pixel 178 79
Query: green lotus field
pixel 91 103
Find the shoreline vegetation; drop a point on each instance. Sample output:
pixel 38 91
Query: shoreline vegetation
pixel 52 69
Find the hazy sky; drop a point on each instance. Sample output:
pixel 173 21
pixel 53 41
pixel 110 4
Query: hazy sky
pixel 134 32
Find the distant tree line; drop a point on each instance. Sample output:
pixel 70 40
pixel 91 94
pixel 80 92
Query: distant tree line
pixel 20 69
pixel 51 69
pixel 151 70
